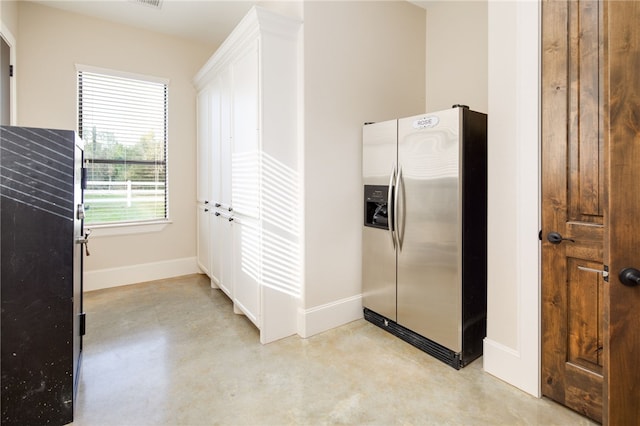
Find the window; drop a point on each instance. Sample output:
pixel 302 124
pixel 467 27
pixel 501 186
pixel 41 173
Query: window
pixel 123 122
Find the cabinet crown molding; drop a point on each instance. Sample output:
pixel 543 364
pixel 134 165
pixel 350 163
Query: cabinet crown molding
pixel 258 21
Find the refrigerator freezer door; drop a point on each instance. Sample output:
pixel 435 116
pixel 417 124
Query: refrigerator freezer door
pixel 379 157
pixel 378 273
pixel 428 216
pixel 379 152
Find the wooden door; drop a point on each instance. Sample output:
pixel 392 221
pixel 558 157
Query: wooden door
pixel 581 312
pixel 622 235
pixel 573 206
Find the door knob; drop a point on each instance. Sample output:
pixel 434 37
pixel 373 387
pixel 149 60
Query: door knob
pixel 629 277
pixel 556 238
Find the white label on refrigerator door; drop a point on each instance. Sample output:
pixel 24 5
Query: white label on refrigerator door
pixel 426 122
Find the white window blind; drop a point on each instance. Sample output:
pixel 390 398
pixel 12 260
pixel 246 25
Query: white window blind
pixel 123 122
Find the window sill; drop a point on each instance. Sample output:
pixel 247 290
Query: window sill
pixel 98 231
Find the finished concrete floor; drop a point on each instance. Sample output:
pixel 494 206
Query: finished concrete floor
pixel 172 352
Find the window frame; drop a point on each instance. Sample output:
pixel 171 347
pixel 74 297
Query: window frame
pixel 134 226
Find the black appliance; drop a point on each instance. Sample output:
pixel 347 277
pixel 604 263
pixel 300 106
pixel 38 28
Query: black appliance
pixel 41 275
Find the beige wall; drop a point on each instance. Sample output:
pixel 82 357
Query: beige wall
pixel 290 8
pixel 363 61
pixel 456 69
pixel 51 42
pixel 9 15
pixel 503 184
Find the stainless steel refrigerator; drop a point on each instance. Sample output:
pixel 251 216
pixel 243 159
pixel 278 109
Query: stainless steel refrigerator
pixel 424 231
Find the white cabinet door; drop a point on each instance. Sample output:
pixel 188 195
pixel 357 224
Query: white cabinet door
pixel 203 183
pixel 247 268
pixel 204 239
pixel 245 158
pixel 225 248
pixel 225 81
pixel 216 232
pixel 215 159
pixel 245 183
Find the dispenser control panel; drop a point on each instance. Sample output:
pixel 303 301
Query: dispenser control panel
pixel 376 206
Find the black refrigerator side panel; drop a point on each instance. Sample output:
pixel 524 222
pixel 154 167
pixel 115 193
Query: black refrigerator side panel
pixel 37 276
pixel 474 233
pixel 78 259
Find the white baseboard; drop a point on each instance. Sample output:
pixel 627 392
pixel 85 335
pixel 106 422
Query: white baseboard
pixel 508 365
pixel 115 277
pixel 325 317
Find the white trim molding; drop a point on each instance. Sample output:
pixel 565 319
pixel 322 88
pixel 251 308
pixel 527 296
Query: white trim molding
pixel 117 229
pixel 507 364
pixel 330 315
pixel 516 358
pixel 116 277
pixel 122 74
pixel 13 89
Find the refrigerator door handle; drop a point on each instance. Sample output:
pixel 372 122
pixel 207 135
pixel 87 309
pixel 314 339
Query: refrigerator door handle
pixel 396 208
pixel 390 206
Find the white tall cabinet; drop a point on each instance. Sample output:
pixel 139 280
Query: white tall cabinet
pixel 203 191
pixel 249 204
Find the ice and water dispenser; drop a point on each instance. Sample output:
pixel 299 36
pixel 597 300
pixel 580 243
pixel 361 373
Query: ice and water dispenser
pixel 375 206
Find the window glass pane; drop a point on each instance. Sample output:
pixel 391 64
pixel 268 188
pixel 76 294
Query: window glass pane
pixel 123 124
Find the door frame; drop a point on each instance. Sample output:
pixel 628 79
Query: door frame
pixel 512 346
pixel 11 41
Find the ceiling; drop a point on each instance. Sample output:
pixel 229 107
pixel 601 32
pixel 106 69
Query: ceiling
pixel 208 21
